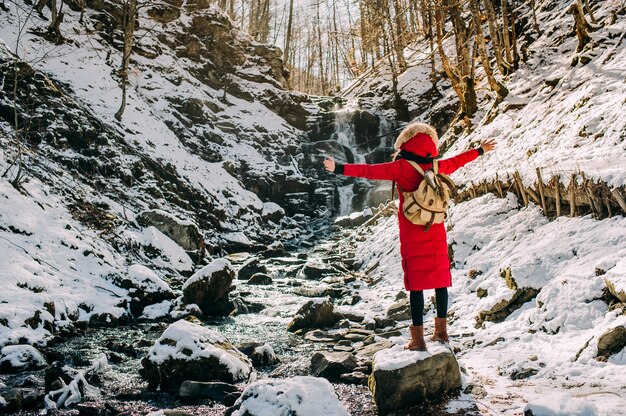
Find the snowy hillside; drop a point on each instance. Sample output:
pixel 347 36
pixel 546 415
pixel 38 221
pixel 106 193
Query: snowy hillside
pixel 208 137
pixel 541 348
pixel 560 117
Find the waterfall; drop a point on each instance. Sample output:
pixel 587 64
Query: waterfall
pixel 365 136
pixel 346 193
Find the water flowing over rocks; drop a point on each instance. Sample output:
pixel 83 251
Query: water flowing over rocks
pixel 403 378
pixel 187 351
pixel 209 287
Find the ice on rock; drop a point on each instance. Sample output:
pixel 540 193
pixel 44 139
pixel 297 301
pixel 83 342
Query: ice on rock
pixel 17 358
pixel 296 396
pixel 560 404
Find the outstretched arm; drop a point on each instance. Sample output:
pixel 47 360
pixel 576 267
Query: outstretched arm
pixel 381 171
pixel 449 166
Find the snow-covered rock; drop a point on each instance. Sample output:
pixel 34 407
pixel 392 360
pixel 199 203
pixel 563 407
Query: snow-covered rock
pixel 145 288
pixel 209 287
pixel 187 351
pixel 402 378
pixel 272 212
pixel 560 404
pixel 295 396
pixel 184 232
pixel 615 280
pixel 18 358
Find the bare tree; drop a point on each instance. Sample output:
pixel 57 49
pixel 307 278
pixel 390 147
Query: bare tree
pixel 130 17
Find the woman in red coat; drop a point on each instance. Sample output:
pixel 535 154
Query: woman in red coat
pixel 425 260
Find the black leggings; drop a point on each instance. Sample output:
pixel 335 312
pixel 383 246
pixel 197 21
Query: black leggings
pixel 417 304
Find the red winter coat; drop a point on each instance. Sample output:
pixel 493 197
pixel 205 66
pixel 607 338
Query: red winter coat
pixel 424 254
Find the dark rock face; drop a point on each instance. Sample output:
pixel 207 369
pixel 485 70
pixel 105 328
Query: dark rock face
pixel 430 376
pixel 187 351
pixel 220 392
pixel 316 313
pixel 184 233
pixel 250 268
pixel 209 287
pixel 332 365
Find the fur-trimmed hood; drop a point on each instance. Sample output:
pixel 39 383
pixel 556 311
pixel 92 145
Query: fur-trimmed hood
pixel 420 139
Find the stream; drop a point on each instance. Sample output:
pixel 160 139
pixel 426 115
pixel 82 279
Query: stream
pixel 122 389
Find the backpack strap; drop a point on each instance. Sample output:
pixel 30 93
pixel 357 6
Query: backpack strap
pixel 435 166
pixel 416 167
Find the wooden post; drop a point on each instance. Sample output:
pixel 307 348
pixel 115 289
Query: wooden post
pixel 520 185
pixel 499 187
pixel 572 196
pixel 557 196
pixel 619 198
pixel 534 196
pixel 542 193
pixel 593 202
pixel 608 207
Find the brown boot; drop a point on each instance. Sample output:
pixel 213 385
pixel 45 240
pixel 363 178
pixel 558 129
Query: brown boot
pixel 417 342
pixel 441 332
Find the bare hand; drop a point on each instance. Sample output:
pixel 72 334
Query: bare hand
pixel 488 145
pixel 329 164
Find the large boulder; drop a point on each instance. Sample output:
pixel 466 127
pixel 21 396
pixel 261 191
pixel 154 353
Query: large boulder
pixel 251 267
pixel 185 233
pixel 402 378
pixel 295 396
pixel 144 287
pixel 18 358
pixel 612 341
pixel 187 351
pixel 316 313
pixel 209 287
pixel 400 311
pixel 332 365
pixel 272 212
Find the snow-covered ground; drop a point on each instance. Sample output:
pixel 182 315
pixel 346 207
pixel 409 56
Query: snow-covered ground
pixel 555 335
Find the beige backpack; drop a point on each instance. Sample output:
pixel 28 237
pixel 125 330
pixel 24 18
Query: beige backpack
pixel 428 204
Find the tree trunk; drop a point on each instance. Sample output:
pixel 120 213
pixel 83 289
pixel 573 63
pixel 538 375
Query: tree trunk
pixel 591 16
pixel 130 16
pixel 581 26
pixel 535 23
pixel 505 32
pixel 500 90
pixel 288 34
pixel 496 35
